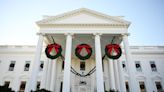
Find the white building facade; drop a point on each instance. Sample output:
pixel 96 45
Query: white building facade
pixel 26 68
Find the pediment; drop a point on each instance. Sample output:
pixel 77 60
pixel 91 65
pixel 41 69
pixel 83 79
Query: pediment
pixel 82 16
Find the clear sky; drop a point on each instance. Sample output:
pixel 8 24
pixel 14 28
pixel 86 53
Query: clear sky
pixel 18 17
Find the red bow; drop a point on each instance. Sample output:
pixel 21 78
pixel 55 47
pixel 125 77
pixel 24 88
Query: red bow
pixel 55 46
pixel 87 47
pixel 115 47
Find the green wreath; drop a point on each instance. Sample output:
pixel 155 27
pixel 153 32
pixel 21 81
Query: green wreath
pixel 51 49
pixel 79 48
pixel 109 51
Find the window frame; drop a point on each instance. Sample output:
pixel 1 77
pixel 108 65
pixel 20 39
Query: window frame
pixel 41 65
pixel 22 89
pixel 153 69
pixel 27 68
pixel 7 83
pixel 11 68
pixel 82 68
pixel 142 83
pixel 139 68
pixel 124 67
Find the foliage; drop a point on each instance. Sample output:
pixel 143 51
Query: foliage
pixel 5 89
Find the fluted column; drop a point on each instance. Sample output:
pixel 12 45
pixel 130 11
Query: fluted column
pixel 111 75
pixel 49 72
pixel 132 79
pixel 53 76
pixel 43 81
pixel 67 66
pixel 31 84
pixel 121 77
pixel 117 80
pixel 98 57
pixel 106 72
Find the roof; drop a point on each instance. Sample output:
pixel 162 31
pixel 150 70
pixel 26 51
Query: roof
pixel 83 16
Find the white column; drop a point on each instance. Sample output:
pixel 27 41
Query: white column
pixel 132 79
pixel 121 76
pixel 31 84
pixel 111 75
pixel 117 80
pixel 44 75
pixel 49 72
pixel 67 66
pixel 58 82
pixel 53 77
pixel 92 79
pixel 98 57
pixel 106 74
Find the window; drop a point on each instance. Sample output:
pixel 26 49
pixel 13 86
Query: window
pixel 124 65
pixel 138 66
pixel 22 86
pixel 142 86
pixel 62 65
pixel 61 86
pixel 41 66
pixel 127 86
pixel 153 66
pixel 82 65
pixel 103 65
pixel 7 83
pixel 158 86
pixel 11 66
pixel 38 85
pixel 27 66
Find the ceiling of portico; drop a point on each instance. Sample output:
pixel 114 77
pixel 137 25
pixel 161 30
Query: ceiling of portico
pixel 83 39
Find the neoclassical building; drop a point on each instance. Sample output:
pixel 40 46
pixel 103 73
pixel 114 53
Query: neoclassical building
pixel 80 39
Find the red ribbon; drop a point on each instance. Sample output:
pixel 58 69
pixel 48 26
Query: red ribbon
pixel 115 47
pixel 55 46
pixel 87 47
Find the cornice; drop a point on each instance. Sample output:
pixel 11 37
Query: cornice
pixel 85 25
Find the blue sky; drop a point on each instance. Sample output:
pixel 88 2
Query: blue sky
pixel 18 17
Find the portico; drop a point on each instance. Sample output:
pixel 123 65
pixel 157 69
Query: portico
pixel 74 28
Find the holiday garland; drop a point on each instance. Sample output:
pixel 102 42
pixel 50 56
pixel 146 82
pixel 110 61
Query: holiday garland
pixel 82 75
pixel 111 48
pixel 41 90
pixel 78 74
pixel 53 47
pixel 79 49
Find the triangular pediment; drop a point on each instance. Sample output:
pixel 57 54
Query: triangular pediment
pixel 82 16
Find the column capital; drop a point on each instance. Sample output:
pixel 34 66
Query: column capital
pixel 69 34
pixel 125 34
pixel 97 34
pixel 38 33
